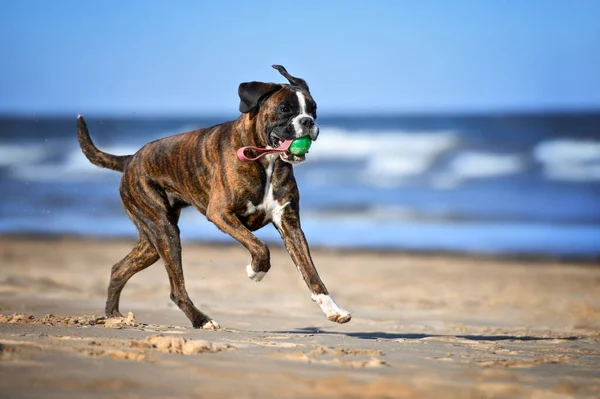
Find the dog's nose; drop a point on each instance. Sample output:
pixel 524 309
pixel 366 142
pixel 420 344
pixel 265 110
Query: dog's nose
pixel 307 122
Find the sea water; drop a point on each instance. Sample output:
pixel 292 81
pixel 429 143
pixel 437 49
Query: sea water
pixel 496 184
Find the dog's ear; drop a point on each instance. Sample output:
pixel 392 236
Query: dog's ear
pixel 294 81
pixel 252 92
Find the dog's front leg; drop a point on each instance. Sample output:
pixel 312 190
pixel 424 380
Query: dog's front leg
pixel 228 223
pixel 295 242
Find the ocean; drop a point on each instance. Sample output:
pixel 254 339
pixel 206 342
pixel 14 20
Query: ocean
pixel 502 184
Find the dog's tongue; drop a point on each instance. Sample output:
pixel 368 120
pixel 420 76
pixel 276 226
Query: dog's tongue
pixel 241 153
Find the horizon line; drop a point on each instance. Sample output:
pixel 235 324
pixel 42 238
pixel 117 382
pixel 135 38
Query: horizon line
pixel 322 114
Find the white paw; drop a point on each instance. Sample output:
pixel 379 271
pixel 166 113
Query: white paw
pixel 211 325
pixel 255 276
pixel 331 309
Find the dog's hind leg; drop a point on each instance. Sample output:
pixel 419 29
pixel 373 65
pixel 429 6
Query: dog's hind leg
pixel 168 244
pixel 157 219
pixel 141 256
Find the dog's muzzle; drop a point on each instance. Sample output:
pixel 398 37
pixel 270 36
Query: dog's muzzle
pixel 313 128
pixel 305 124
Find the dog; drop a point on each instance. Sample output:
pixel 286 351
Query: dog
pixel 200 169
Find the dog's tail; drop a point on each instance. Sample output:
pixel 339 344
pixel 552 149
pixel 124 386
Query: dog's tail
pixel 94 155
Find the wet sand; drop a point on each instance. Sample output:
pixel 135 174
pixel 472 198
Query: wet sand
pixel 436 326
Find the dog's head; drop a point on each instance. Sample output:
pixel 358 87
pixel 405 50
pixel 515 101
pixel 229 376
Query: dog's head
pixel 284 111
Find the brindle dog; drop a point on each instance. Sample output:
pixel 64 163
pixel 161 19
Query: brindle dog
pixel 200 169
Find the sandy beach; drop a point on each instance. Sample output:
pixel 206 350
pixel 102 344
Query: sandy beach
pixel 439 326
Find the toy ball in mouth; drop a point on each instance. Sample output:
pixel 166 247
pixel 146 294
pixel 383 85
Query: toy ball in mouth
pixel 300 146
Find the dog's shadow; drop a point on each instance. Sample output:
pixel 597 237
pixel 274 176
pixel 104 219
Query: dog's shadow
pixel 380 335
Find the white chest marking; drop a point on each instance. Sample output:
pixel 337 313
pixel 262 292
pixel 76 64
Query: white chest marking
pixel 273 209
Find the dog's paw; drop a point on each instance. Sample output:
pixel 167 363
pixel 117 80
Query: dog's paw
pixel 210 325
pixel 255 276
pixel 340 318
pixel 114 314
pixel 331 309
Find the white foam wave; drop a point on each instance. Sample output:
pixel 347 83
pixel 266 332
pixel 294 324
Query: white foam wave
pixel 75 167
pixel 474 165
pixel 569 159
pixel 477 165
pixel 391 157
pixel 567 151
pixel 336 143
pixel 14 155
pixel 394 166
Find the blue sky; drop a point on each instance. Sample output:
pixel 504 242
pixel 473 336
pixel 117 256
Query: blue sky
pixel 188 57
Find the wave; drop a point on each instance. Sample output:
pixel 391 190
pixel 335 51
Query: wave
pixel 569 159
pixel 395 158
pixel 469 165
pixel 472 165
pixel 386 154
pixel 33 165
pixel 375 158
pixel 337 143
pixel 567 151
pixel 390 157
pixel 14 154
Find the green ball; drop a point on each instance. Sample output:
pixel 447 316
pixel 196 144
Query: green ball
pixel 300 146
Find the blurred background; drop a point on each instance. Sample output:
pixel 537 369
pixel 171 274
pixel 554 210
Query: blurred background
pixel 445 126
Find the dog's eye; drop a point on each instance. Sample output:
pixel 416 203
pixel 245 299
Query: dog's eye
pixel 285 109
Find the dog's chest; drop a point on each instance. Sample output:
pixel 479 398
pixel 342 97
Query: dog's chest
pixel 269 206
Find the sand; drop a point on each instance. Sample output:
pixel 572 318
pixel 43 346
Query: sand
pixel 438 326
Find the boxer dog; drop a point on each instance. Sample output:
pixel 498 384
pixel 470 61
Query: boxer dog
pixel 200 169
